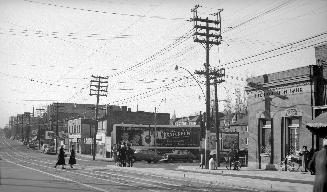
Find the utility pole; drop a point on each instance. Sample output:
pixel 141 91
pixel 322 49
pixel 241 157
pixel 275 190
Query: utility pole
pixel 22 127
pixel 155 129
pixel 101 88
pixel 57 125
pixel 207 35
pixel 218 78
pixel 39 129
pixel 28 129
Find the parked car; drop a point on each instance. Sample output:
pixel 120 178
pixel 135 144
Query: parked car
pixel 50 150
pixel 32 145
pixel 179 155
pixel 43 147
pixel 146 155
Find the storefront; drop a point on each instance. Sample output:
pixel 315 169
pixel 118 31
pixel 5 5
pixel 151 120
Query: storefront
pixel 280 105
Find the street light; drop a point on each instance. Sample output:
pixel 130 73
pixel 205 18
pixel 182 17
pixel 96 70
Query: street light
pixel 207 123
pixel 176 68
pixel 155 125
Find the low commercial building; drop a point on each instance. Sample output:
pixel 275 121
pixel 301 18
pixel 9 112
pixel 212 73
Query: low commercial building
pixel 279 106
pixel 81 132
pixel 124 115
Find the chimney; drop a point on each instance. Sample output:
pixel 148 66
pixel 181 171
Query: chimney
pixel 129 109
pixel 124 108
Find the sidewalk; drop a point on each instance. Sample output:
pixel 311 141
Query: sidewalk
pixel 256 180
pixel 97 157
pixel 259 179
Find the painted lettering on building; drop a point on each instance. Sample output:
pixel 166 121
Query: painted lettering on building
pixel 298 89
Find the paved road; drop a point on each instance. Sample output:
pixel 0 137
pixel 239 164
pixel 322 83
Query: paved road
pixel 25 169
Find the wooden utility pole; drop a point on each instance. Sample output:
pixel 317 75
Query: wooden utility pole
pixel 218 78
pixel 101 88
pixel 57 125
pixel 22 127
pixel 39 129
pixel 208 36
pixel 155 130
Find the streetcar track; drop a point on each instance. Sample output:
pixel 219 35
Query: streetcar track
pixel 103 174
pixel 86 174
pixel 146 180
pixel 209 186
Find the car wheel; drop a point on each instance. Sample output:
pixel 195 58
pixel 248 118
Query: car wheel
pixel 149 161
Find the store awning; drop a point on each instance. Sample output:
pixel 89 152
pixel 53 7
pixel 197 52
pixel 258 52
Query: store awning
pixel 318 125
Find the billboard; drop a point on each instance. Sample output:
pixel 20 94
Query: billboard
pixel 163 136
pixel 228 141
pixel 49 135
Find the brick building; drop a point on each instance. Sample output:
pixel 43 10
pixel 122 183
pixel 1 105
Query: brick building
pixel 68 111
pixel 124 115
pixel 240 125
pixel 279 105
pixel 81 132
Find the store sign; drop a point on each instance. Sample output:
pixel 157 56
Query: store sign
pixel 289 90
pixel 88 140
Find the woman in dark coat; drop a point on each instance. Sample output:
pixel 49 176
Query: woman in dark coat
pixel 61 158
pixel 318 165
pixel 72 160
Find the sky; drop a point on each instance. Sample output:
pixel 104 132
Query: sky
pixel 49 49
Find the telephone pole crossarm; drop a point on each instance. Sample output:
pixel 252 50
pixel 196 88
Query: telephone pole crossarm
pixel 98 87
pixel 210 32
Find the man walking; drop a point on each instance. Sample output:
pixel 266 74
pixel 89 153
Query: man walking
pixel 129 155
pixel 305 158
pixel 122 155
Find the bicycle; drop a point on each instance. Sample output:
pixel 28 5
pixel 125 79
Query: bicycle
pixel 235 164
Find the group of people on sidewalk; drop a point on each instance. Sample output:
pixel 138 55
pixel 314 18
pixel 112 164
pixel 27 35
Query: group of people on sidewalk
pixel 61 158
pixel 123 155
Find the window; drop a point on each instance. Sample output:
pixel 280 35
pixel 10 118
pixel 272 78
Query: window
pixel 247 128
pixel 80 128
pixel 293 131
pixel 74 128
pixel 246 141
pixel 266 137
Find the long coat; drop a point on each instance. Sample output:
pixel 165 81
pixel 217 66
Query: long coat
pixel 305 158
pixel 61 157
pixel 72 160
pixel 318 164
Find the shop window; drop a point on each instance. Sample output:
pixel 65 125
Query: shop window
pixel 266 137
pixel 293 130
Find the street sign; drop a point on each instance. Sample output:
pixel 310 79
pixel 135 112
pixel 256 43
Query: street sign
pixel 88 140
